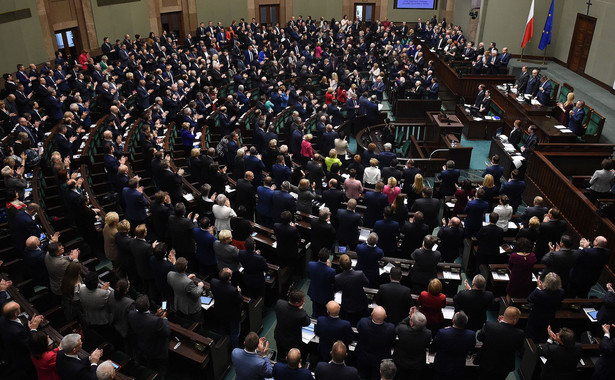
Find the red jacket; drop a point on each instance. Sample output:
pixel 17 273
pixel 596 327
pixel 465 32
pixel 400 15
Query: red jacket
pixel 46 365
pixel 432 306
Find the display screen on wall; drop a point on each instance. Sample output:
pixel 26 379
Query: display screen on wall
pixel 416 4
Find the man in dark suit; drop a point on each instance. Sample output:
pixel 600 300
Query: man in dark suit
pixel 430 208
pixel 228 305
pixel 322 233
pixel 24 226
pixel 287 238
pixel 292 370
pixel 386 156
pixel 331 328
pixel 408 176
pixel 544 91
pixel 577 115
pixel 537 210
pixel 290 319
pixel 452 345
pixel 70 366
pixel 327 140
pixel 136 203
pixel 375 201
pixel 376 338
pixel 15 337
pixel 606 314
pixel 562 353
pixel 605 366
pixel 141 251
pixel 368 255
pixel 322 282
pixel 560 259
pixel 283 201
pixel 387 230
pixel 551 230
pixel 171 182
pixel 413 231
pixel 151 332
pixel 395 298
pixel 515 135
pixel 449 177
pixel 589 266
pixel 336 369
pixel 414 339
pixel 348 225
pixel 533 83
pixel 246 194
pixel 64 144
pixel 480 96
pixel 333 197
pixel 530 142
pixel 474 301
pixel 495 170
pixel 501 341
pixel 451 240
pixel 252 362
pixel 351 282
pixel 521 83
pixel 490 237
pixel 514 189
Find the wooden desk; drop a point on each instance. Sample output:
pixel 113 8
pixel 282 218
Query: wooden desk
pixel 183 343
pixel 528 109
pixel 444 127
pixel 477 130
pixel 546 124
pixel 506 159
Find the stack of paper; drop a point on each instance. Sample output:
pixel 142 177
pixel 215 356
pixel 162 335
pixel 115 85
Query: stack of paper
pixel 337 297
pixel 448 312
pixel 451 276
pixel 560 126
pixel 353 262
pixel 565 130
pixel 499 277
pixel 386 269
pixel 307 333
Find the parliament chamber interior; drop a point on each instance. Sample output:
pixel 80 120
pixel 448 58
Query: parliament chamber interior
pixel 307 189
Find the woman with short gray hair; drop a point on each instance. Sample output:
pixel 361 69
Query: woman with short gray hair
pixel 223 213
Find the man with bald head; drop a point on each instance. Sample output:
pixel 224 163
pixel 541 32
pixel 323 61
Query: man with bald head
pixel 588 267
pixel 331 328
pixel 291 370
pixel 501 342
pixel 15 336
pixel 336 369
pixel 451 240
pixel 228 304
pixel 34 258
pixel 376 338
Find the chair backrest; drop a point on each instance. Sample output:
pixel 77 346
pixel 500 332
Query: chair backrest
pixel 554 89
pixel 588 111
pixel 564 91
pixel 595 124
pixel 495 110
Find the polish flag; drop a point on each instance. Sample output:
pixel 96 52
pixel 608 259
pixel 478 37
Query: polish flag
pixel 529 27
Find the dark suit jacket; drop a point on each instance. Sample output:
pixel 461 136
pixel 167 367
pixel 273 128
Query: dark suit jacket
pixel 281 371
pixel 490 237
pixel 396 299
pixel 283 201
pixel 408 177
pixel 589 266
pixel 290 319
pixel 71 368
pixel 367 261
pixel 550 232
pixel 333 198
pixel 545 304
pixel 228 301
pixel 334 371
pixel 136 205
pixel 521 82
pixel 388 232
pixel 172 184
pixel 425 266
pixel 514 189
pixel 375 203
pixel 430 207
pixel 475 304
pixel 605 366
pixel 351 283
pixel 329 330
pixel 180 232
pixel 451 242
pixel 561 361
pixel 287 238
pixel 151 333
pixel 322 235
pixel 246 195
pixel 452 345
pixel 496 171
pixel 160 218
pixel 475 210
pixel 375 341
pixel 515 137
pixel 141 252
pixel 449 179
pixel 348 227
pixel 254 268
pixel 500 343
pixel 23 228
pixel 606 314
pixel 560 262
pixel 410 347
pixel 322 281
pixel 15 338
pixel 413 232
pixel 537 211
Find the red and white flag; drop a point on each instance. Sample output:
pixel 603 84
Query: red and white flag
pixel 529 27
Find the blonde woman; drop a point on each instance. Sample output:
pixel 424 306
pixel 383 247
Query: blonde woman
pixel 374 72
pixel 305 196
pixel 112 219
pixel 416 190
pixel 490 189
pixel 333 81
pixel 564 116
pixel 332 159
pixel 372 175
pixel 226 253
pixel 391 189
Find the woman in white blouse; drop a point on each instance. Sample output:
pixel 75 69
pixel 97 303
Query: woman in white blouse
pixel 371 175
pixel 223 212
pixel 374 72
pixel 505 211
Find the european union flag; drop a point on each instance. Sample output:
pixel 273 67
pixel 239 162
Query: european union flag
pixel 546 32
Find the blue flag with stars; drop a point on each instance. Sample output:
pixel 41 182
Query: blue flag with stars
pixel 546 32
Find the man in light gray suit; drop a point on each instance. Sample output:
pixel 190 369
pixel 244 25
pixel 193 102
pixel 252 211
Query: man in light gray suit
pixel 187 291
pixel 56 264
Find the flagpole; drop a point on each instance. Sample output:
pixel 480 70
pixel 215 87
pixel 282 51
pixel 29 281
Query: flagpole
pixel 544 55
pixel 521 58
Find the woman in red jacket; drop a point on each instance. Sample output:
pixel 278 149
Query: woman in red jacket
pixel 43 357
pixel 431 303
